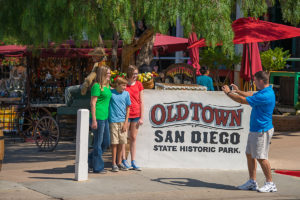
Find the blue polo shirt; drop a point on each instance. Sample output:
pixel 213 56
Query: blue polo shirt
pixel 117 106
pixel 262 103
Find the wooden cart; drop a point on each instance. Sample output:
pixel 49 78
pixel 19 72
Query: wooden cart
pixel 33 115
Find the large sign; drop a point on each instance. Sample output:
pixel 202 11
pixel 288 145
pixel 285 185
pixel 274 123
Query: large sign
pixel 189 129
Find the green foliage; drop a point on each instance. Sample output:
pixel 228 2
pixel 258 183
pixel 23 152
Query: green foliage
pixel 215 58
pixel 36 22
pixel 291 11
pixel 255 8
pixel 274 59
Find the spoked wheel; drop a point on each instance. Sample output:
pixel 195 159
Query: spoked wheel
pixel 29 117
pixel 46 134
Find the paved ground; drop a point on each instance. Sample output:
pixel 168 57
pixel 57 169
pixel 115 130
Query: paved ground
pixel 29 174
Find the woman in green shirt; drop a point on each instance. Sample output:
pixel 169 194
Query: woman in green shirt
pixel 100 97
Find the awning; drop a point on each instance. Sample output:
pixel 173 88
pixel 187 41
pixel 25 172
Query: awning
pixel 170 43
pixel 12 50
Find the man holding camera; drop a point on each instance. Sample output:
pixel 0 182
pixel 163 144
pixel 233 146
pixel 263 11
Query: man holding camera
pixel 261 129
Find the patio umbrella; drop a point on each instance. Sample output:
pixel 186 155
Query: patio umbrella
pixel 247 30
pixel 251 62
pixel 251 30
pixel 194 53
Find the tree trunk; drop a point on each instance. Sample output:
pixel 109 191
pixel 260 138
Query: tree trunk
pixel 128 51
pixel 146 54
pixel 114 52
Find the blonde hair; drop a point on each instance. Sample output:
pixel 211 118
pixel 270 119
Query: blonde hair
pixel 120 81
pixel 101 74
pixel 130 70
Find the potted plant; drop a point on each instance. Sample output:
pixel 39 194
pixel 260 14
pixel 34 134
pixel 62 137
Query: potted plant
pixel 274 60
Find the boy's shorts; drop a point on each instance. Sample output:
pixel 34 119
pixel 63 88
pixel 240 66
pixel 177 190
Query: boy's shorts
pixel 116 134
pixel 258 144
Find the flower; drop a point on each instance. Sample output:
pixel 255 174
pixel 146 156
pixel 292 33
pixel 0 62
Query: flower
pixel 144 77
pixel 115 74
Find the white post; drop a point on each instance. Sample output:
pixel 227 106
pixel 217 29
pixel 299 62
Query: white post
pixel 81 166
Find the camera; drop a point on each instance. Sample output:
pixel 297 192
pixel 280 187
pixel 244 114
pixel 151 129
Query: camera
pixel 230 87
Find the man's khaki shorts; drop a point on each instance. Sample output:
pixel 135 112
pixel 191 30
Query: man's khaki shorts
pixel 116 135
pixel 258 144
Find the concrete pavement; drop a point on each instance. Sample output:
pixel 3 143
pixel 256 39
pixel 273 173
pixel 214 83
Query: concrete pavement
pixel 29 174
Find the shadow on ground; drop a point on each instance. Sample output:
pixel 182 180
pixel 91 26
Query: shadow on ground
pixel 52 178
pixel 57 170
pixel 21 152
pixel 277 135
pixel 61 170
pixel 188 182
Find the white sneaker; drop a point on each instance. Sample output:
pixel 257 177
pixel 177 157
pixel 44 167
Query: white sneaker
pixel 249 185
pixel 268 187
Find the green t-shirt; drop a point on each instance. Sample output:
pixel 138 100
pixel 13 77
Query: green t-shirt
pixel 102 104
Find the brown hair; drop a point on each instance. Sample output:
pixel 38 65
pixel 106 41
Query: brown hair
pixel 101 74
pixel 120 81
pixel 130 70
pixel 262 75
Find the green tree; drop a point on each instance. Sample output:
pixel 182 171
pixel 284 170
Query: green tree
pixel 215 59
pixel 37 22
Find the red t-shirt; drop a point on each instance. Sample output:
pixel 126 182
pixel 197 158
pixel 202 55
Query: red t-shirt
pixel 134 92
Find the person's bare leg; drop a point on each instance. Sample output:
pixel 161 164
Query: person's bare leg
pixel 266 167
pixel 114 153
pixel 251 167
pixel 124 156
pixel 119 153
pixel 123 153
pixel 133 134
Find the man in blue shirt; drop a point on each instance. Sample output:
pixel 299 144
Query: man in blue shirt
pixel 261 129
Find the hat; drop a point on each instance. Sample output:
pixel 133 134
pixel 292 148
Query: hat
pixel 98 51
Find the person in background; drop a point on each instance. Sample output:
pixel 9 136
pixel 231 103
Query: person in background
pixel 204 79
pixel 100 98
pixel 144 68
pixel 118 122
pixel 135 89
pixel 261 129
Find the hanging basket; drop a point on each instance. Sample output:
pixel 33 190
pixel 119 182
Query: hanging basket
pixel 148 84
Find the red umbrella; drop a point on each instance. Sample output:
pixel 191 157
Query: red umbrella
pixel 247 30
pixel 251 30
pixel 251 62
pixel 194 53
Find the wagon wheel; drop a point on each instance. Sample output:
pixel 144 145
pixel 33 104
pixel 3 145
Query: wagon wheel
pixel 30 117
pixel 46 133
